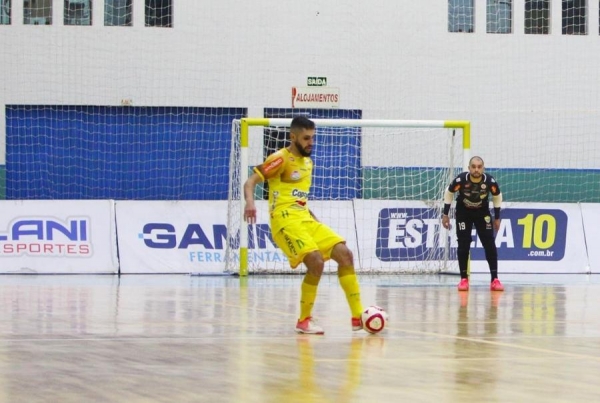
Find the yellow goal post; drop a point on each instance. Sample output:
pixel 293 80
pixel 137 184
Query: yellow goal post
pixel 241 128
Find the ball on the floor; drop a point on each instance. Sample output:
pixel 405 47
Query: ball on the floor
pixel 374 319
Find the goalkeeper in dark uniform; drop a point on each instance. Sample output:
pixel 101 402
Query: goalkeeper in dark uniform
pixel 472 208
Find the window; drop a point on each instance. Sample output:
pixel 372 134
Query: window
pixel 78 12
pixel 159 13
pixel 574 16
pixel 499 16
pixel 460 15
pixel 5 12
pixel 37 12
pixel 537 17
pixel 118 13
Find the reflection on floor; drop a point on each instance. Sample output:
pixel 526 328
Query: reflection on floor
pixel 222 339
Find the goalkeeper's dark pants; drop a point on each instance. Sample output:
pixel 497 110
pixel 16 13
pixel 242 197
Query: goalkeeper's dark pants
pixel 483 222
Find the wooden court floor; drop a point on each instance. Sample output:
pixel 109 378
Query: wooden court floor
pixel 218 339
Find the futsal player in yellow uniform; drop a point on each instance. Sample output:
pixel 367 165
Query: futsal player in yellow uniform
pixel 296 230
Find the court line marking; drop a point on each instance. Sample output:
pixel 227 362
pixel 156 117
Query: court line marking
pixel 499 344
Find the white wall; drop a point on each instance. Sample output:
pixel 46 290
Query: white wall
pixel 532 98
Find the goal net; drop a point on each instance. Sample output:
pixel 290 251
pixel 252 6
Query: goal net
pixel 378 183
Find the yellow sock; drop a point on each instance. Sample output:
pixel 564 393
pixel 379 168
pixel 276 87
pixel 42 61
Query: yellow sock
pixel 308 295
pixel 349 284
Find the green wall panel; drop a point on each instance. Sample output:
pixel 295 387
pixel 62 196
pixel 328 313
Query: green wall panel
pixel 518 185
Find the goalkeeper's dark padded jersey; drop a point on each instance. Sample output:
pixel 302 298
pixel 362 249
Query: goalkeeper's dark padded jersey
pixel 474 195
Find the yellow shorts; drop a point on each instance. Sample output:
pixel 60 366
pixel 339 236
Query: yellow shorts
pixel 300 238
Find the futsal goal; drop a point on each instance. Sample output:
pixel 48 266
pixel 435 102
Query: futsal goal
pixel 378 183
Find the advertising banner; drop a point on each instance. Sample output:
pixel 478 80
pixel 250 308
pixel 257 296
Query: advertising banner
pixel 533 238
pixel 58 236
pixel 191 236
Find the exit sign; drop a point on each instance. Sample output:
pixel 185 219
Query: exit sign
pixel 316 81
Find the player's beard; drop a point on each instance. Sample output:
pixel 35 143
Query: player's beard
pixel 303 151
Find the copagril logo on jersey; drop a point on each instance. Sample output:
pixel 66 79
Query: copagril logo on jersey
pixel 299 193
pixel 47 236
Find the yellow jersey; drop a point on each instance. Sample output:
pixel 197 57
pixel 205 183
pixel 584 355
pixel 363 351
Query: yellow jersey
pixel 289 178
